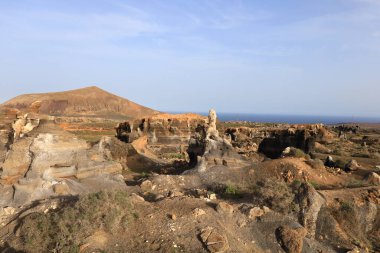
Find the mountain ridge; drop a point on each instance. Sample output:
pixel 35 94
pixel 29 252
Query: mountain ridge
pixel 87 101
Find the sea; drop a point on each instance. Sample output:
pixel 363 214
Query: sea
pixel 294 119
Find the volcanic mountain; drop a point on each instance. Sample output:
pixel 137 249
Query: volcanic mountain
pixel 88 102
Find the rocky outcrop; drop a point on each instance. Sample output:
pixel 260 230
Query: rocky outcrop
pixel 6 136
pixel 310 202
pixel 51 161
pixel 272 140
pixel 167 135
pixel 208 149
pixel 374 178
pixel 24 125
pixel 304 139
pixel 352 165
pixel 17 161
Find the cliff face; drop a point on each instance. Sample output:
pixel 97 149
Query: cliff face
pixel 90 101
pixel 271 141
pixel 167 134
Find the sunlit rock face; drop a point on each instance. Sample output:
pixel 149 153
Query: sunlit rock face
pixel 166 133
pixel 38 164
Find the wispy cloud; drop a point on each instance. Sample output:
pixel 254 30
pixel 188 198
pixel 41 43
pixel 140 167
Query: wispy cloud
pixel 66 26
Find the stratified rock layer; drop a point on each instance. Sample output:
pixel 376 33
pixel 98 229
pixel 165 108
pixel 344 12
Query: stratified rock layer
pixel 49 161
pixel 166 134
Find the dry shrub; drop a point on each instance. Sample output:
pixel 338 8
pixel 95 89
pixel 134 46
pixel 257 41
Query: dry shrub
pixel 316 163
pixel 275 194
pixel 64 230
pixel 347 214
pixel 291 239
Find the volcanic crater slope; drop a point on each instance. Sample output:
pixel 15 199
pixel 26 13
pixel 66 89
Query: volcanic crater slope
pixel 89 101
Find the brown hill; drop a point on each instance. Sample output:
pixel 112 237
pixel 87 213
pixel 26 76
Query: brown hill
pixel 88 102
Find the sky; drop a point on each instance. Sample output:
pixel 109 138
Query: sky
pixel 315 57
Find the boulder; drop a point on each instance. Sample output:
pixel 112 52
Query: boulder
pixel 374 178
pixel 255 212
pixel 197 212
pixel 61 188
pixel 146 185
pixel 329 162
pixel 213 241
pixel 224 208
pixel 352 165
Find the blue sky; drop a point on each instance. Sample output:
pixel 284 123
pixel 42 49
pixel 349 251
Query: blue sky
pixel 318 57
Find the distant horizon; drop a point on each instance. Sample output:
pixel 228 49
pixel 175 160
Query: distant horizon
pixel 360 118
pixel 290 118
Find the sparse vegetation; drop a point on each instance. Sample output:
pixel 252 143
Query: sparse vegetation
pixel 356 183
pixel 296 152
pixel 231 191
pixel 65 229
pixel 341 164
pixel 347 215
pixel 144 175
pixel 316 163
pixel 315 185
pixel 174 156
pixel 296 184
pixel 275 194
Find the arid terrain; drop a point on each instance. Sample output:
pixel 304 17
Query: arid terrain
pixel 88 171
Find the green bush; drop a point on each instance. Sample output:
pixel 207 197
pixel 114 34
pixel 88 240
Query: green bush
pixel 231 191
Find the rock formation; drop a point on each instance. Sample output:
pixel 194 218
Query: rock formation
pixel 6 136
pixel 48 161
pixel 24 125
pixel 212 132
pixel 374 178
pixel 208 149
pixel 272 140
pixel 167 135
pixel 310 202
